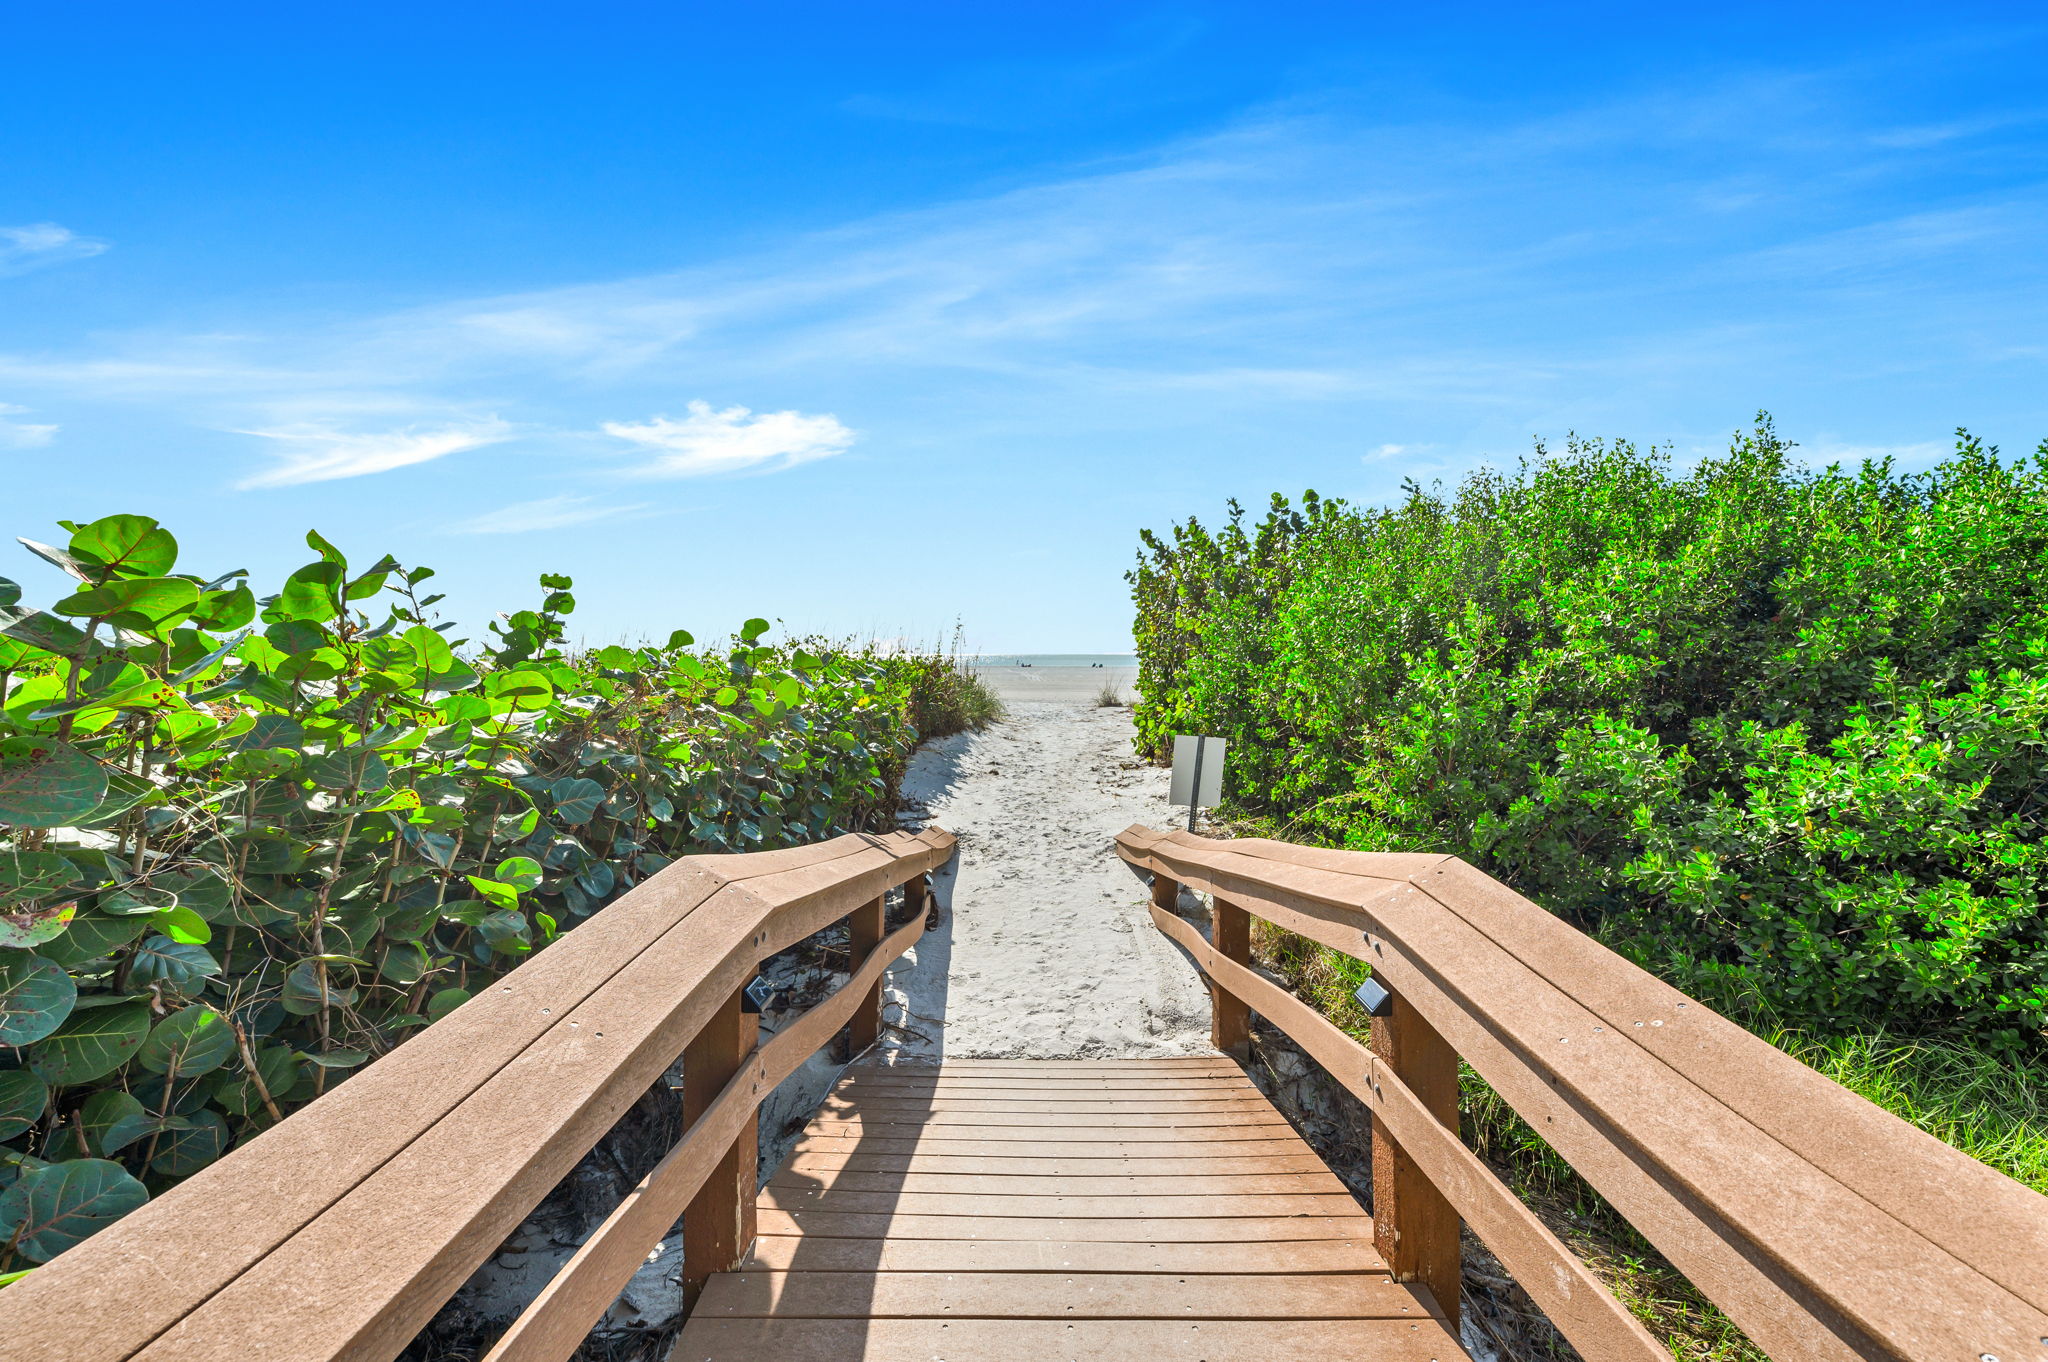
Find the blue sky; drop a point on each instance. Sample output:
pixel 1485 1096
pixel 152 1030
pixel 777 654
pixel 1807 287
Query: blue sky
pixel 874 317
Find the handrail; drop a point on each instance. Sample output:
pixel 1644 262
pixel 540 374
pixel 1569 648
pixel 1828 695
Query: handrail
pixel 339 1232
pixel 1824 1226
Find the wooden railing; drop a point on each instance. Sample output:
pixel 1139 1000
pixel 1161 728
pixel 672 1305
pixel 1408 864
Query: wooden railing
pixel 1824 1226
pixel 339 1232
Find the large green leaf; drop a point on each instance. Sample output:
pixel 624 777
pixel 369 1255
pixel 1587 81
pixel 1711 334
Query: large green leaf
pixel 303 994
pixel 22 1099
pixel 150 602
pixel 519 872
pixel 182 925
pixel 221 611
pixel 181 965
pixel 238 1094
pixel 268 730
pixel 124 546
pixel 35 997
pixel 40 629
pixel 26 876
pixel 91 1042
pixel 45 783
pixel 314 592
pixel 502 895
pixel 191 1041
pixel 445 1001
pixel 138 1125
pixel 92 936
pixel 505 929
pixel 25 926
pixel 53 1208
pixel 576 799
pixel 404 962
pixel 102 1113
pixel 181 1153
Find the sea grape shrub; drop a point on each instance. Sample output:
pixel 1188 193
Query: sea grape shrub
pixel 248 843
pixel 1776 732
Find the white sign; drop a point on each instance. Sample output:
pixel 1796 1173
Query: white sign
pixel 1197 771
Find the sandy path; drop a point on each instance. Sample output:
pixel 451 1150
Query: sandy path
pixel 1044 950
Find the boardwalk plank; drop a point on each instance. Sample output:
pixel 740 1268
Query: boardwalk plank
pixel 1041 1121
pixel 940 1219
pixel 1053 1295
pixel 1234 1183
pixel 1008 1340
pixel 814 1159
pixel 1136 1230
pixel 1214 1142
pixel 799 1199
pixel 1148 1105
pixel 786 1252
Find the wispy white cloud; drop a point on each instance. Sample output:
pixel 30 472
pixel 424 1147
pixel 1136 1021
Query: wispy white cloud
pixel 313 453
pixel 547 513
pixel 1921 136
pixel 1312 257
pixel 732 439
pixel 22 434
pixel 42 243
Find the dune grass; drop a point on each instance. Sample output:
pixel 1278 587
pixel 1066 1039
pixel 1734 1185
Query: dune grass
pixel 946 697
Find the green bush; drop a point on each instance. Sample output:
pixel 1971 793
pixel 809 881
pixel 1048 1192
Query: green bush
pixel 247 844
pixel 1777 733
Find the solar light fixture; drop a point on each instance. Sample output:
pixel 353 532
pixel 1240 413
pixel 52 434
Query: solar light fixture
pixel 1375 998
pixel 756 995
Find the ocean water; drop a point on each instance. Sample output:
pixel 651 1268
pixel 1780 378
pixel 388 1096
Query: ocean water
pixel 1121 661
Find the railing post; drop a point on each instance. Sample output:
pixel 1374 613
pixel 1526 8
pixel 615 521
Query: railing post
pixel 863 933
pixel 718 1224
pixel 1230 932
pixel 1414 1227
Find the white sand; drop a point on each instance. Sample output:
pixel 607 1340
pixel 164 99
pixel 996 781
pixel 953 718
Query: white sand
pixel 1044 950
pixel 1078 685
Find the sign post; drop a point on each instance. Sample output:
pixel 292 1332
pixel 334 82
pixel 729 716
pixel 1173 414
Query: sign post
pixel 1197 774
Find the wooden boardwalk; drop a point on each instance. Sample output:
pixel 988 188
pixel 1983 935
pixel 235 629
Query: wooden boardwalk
pixel 1005 1210
pixel 1016 1209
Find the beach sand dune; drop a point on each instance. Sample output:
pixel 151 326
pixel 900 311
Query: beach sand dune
pixel 1044 948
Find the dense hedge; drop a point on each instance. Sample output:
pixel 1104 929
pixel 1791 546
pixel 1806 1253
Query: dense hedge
pixel 1778 733
pixel 249 843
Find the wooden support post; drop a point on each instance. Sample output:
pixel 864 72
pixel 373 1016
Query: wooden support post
pixel 1165 894
pixel 1230 1025
pixel 864 933
pixel 718 1224
pixel 1414 1227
